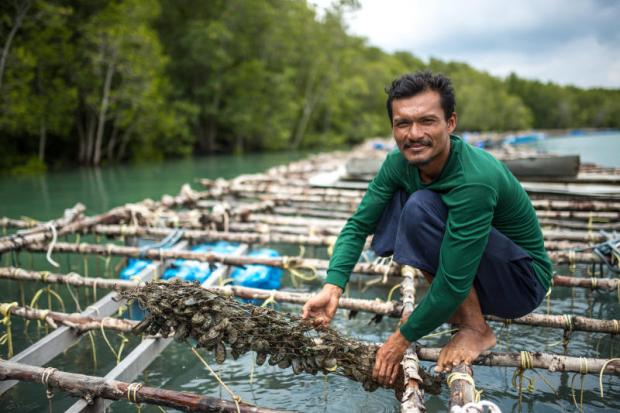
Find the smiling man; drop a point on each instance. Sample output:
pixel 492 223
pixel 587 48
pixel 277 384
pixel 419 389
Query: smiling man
pixel 452 211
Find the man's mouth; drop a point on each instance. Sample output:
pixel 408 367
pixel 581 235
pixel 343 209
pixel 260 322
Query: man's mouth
pixel 416 145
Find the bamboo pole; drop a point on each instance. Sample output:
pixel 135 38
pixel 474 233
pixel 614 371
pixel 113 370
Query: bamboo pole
pixel 284 192
pixel 553 239
pixel 558 257
pixel 42 230
pixel 552 362
pixel 461 384
pixel 389 308
pixel 17 241
pixel 30 227
pixel 579 225
pixel 549 361
pixel 604 284
pixel 412 400
pixel 90 387
pixel 186 197
pixel 200 236
pixel 162 254
pixel 76 321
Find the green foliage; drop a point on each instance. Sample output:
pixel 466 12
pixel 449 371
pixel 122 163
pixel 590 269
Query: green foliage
pixel 100 81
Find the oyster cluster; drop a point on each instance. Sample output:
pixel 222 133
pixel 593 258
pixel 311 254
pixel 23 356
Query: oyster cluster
pixel 230 327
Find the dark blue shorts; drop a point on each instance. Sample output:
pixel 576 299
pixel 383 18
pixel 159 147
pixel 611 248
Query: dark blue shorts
pixel 412 229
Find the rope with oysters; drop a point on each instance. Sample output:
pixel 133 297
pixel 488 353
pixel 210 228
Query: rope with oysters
pixel 230 327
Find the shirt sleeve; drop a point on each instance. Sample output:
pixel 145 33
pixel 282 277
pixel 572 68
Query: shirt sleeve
pixel 363 222
pixel 470 213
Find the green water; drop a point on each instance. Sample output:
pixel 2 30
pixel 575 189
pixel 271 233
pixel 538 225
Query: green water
pixel 176 368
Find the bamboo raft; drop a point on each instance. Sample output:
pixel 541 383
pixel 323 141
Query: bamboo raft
pixel 278 207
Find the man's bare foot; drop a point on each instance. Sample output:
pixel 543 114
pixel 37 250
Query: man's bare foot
pixel 464 347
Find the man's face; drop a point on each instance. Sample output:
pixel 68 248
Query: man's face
pixel 420 128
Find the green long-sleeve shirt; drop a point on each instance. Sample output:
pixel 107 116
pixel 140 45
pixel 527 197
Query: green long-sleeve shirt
pixel 479 192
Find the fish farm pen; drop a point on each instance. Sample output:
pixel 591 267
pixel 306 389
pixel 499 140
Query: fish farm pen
pixel 97 308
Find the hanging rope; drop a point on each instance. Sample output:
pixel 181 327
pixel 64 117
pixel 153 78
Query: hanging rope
pixel 7 337
pixel 600 376
pixel 583 370
pixel 48 256
pixel 235 397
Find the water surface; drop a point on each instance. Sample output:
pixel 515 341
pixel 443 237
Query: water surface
pixel 46 196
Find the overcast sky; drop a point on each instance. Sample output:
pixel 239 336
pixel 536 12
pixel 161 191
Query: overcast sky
pixel 567 41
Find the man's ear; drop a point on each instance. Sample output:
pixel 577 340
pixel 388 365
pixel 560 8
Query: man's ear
pixel 452 120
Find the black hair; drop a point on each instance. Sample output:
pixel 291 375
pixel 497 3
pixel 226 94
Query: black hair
pixel 413 83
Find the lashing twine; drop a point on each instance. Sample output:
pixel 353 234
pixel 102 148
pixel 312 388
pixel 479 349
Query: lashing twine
pixel 469 379
pixel 571 261
pixel 526 361
pixel 292 265
pixel 45 379
pixel 132 394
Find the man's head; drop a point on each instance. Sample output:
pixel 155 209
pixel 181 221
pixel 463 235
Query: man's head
pixel 413 83
pixel 421 109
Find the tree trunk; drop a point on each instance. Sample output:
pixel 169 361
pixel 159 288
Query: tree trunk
pixel 112 141
pixel 308 107
pixel 21 8
pixel 42 140
pixel 105 101
pixel 90 137
pixel 124 141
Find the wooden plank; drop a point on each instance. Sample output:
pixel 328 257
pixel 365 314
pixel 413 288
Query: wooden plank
pixel 48 347
pixel 143 355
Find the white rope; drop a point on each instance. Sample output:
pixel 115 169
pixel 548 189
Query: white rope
pixel 476 407
pixel 51 246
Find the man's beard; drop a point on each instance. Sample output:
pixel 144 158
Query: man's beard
pixel 422 162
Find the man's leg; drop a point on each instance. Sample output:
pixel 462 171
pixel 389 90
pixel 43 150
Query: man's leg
pixel 473 336
pixel 505 284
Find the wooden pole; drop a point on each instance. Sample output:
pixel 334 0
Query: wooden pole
pixel 552 362
pixel 412 400
pixel 558 257
pixel 90 387
pixel 162 254
pixel 549 361
pixel 567 239
pixel 461 384
pixel 390 308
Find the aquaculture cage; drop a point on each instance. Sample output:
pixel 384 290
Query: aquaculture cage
pixel 65 305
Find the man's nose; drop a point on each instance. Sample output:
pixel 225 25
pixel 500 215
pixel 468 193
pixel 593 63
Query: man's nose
pixel 415 131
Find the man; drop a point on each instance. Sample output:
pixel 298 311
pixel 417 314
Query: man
pixel 455 213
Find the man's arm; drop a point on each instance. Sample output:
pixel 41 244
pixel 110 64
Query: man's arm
pixel 364 221
pixel 350 242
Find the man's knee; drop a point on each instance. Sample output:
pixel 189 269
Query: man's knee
pixel 423 203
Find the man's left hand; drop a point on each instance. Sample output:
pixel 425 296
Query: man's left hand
pixel 388 359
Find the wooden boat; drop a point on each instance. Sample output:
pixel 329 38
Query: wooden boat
pixel 544 166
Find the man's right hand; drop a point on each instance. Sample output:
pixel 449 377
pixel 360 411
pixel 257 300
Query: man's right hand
pixel 322 307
